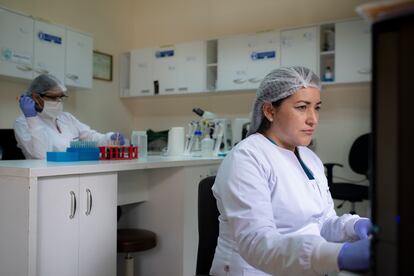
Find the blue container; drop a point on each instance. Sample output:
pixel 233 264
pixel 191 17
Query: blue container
pixel 85 154
pixel 62 156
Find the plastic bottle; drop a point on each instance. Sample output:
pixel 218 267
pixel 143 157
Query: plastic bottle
pixel 197 143
pixel 139 139
pixel 207 145
pixel 328 76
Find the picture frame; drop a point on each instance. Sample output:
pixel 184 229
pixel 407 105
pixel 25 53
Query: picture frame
pixel 102 66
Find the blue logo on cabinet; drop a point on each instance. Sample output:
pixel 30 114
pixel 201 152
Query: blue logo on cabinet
pixel 263 55
pixel 163 54
pixel 49 38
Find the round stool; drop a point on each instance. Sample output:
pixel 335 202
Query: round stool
pixel 134 240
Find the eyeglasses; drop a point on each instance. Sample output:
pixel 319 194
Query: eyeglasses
pixel 54 98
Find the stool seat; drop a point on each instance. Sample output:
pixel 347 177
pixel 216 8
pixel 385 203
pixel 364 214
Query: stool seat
pixel 134 240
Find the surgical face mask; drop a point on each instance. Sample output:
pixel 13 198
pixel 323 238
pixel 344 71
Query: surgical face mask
pixel 52 109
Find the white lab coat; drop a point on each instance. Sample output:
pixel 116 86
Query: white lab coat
pixel 38 135
pixel 272 217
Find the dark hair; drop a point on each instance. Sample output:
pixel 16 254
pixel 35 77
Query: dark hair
pixel 265 124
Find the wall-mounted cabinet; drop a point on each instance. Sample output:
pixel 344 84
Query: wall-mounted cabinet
pixel 16 45
pixel 300 47
pixel 338 51
pixel 244 60
pixel 345 52
pixel 168 70
pixel 79 56
pixel 32 47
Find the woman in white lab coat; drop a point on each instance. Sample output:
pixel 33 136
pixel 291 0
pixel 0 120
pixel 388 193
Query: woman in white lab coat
pixel 44 126
pixel 276 212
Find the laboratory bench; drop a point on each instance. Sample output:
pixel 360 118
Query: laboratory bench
pixel 61 218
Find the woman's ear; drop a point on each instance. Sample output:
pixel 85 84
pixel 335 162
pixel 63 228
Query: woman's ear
pixel 268 111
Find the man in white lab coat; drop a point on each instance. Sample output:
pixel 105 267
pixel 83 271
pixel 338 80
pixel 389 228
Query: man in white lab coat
pixel 276 213
pixel 44 126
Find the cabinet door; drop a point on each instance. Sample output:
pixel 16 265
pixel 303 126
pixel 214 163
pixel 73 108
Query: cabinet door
pixel 98 224
pixel 192 67
pixel 49 50
pixel 57 231
pixel 165 70
pixel 16 45
pixel 264 56
pixel 79 50
pixel 233 55
pixel 141 66
pixel 300 47
pixel 353 51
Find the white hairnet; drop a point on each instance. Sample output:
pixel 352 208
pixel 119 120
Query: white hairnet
pixel 43 83
pixel 279 84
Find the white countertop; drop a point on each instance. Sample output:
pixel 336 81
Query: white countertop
pixel 39 168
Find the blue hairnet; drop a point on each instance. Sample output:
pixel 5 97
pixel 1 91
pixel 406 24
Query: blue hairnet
pixel 279 84
pixel 43 83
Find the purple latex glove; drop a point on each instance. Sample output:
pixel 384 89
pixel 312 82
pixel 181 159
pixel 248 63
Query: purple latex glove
pixel 355 256
pixel 118 138
pixel 363 228
pixel 27 105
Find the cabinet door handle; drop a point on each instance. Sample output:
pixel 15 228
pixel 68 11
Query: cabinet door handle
pixel 41 71
pixel 255 80
pixel 88 202
pixel 145 91
pixel 169 89
pixel 72 205
pixel 364 71
pixel 24 68
pixel 72 77
pixel 239 81
pixel 183 89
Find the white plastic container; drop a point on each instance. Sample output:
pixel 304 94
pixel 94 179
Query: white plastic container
pixel 207 145
pixel 140 140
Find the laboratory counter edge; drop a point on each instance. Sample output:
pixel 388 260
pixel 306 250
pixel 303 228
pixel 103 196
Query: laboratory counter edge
pixel 42 168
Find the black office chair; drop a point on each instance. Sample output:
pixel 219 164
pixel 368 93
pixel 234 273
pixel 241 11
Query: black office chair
pixel 358 161
pixel 8 146
pixel 208 226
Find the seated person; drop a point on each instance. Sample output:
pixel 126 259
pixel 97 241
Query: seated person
pixel 44 126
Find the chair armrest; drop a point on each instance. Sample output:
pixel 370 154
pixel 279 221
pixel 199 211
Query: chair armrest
pixel 329 171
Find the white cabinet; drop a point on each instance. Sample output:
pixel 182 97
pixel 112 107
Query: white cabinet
pixel 16 45
pixel 244 60
pixel 30 47
pixel 49 50
pixel 141 70
pixel 76 227
pixel 192 67
pixel 79 52
pixel 353 51
pixel 181 68
pixel 300 47
pixel 174 69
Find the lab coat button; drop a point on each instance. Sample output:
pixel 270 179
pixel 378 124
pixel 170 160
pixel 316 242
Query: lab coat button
pixel 226 268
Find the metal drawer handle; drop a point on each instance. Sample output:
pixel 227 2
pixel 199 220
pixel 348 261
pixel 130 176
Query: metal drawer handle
pixel 24 68
pixel 145 91
pixel 88 202
pixel 72 205
pixel 239 81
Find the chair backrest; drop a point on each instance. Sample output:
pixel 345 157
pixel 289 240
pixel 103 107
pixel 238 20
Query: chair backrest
pixel 208 226
pixel 359 154
pixel 8 146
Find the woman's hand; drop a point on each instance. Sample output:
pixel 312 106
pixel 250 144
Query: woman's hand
pixel 363 228
pixel 27 105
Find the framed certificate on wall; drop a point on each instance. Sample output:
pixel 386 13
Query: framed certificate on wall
pixel 102 66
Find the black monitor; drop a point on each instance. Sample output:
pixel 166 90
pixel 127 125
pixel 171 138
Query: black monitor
pixel 8 146
pixel 392 189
